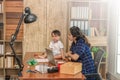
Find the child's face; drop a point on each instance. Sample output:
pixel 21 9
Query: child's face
pixel 55 37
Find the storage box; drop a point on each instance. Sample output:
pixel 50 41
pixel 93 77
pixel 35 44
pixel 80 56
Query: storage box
pixel 71 68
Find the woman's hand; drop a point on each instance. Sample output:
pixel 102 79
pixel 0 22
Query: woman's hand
pixel 68 54
pixel 67 57
pixel 73 56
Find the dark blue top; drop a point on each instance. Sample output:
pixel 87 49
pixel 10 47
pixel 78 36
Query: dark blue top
pixel 83 50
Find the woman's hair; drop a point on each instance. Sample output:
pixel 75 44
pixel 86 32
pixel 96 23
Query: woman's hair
pixel 76 32
pixel 56 32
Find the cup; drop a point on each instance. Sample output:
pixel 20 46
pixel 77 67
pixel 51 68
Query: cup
pixel 59 63
pixel 43 68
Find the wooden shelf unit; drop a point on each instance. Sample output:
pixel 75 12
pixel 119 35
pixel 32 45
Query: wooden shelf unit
pixel 2 71
pixel 91 17
pixel 9 18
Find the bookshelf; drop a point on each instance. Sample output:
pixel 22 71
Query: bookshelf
pixel 91 17
pixel 2 71
pixel 10 13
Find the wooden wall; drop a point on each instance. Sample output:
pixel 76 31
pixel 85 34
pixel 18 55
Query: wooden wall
pixel 52 14
pixel 13 10
pixel 57 18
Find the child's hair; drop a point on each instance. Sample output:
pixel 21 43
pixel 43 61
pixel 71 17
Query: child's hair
pixel 56 32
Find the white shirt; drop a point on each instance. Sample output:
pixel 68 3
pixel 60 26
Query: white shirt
pixel 56 46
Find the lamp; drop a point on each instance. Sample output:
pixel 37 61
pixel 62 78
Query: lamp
pixel 28 18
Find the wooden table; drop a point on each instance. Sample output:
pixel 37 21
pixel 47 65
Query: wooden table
pixel 46 76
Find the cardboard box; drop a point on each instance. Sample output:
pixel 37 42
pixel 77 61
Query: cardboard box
pixel 71 68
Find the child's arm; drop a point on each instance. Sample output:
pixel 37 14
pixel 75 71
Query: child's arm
pixel 43 56
pixel 58 56
pixel 62 53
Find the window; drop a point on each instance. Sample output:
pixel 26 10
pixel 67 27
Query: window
pixel 118 48
pixel 115 4
pixel 115 13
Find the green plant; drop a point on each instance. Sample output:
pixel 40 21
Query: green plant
pixel 32 62
pixel 105 55
pixel 94 49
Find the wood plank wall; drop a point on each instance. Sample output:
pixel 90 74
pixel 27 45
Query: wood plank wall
pixel 52 14
pixel 13 10
pixel 35 33
pixel 57 19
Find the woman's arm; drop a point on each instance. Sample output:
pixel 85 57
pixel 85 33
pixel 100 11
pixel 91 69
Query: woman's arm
pixel 58 56
pixel 73 56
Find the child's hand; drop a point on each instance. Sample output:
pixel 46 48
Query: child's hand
pixel 39 55
pixel 42 57
pixel 36 55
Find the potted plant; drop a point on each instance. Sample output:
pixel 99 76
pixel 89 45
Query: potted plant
pixel 95 50
pixel 31 64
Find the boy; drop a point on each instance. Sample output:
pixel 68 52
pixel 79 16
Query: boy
pixel 56 45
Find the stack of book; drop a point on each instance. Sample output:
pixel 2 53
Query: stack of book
pixel 1 7
pixel 80 17
pixel 1 62
pixel 9 60
pixel 79 12
pixel 1 49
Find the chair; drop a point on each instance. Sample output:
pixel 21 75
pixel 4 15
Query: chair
pixel 97 59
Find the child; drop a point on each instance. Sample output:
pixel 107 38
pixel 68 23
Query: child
pixel 56 45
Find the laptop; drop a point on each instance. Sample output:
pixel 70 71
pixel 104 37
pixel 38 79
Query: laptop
pixel 50 56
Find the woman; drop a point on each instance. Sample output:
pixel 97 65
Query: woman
pixel 80 50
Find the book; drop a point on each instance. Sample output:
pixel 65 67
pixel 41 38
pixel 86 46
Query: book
pixel 79 24
pixel 73 12
pixel 86 28
pixel 75 23
pixel 1 49
pixel 79 12
pixel 71 24
pixel 0 7
pixel 96 32
pixel 9 62
pixel 1 62
pixel 92 33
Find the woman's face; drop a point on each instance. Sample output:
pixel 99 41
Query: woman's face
pixel 70 37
